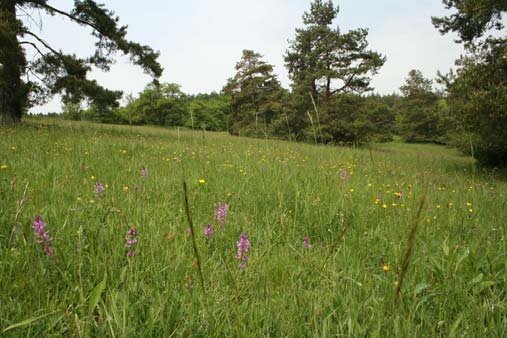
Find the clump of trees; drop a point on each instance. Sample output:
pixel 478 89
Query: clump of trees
pixel 419 110
pixel 164 105
pixel 477 92
pixel 330 99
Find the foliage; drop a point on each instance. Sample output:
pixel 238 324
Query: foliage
pixel 472 19
pixel 163 104
pixel 208 111
pixel 478 102
pixel 418 119
pixel 62 73
pixel 382 116
pixel 255 95
pixel 72 111
pixel 323 62
pixel 478 91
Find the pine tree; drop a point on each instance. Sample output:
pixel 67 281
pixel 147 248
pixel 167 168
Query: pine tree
pixel 255 95
pixel 61 73
pixel 324 62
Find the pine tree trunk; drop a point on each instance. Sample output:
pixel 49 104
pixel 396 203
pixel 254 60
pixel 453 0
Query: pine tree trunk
pixel 12 91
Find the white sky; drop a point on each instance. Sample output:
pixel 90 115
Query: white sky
pixel 200 41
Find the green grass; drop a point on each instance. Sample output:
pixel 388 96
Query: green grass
pixel 278 193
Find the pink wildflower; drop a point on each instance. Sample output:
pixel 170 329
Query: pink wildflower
pixel 243 247
pixel 42 235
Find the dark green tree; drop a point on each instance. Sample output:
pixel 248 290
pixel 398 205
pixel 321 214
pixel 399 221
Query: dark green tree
pixel 382 116
pixel 472 19
pixel 61 73
pixel 255 96
pixel 477 92
pixel 323 62
pixel 418 110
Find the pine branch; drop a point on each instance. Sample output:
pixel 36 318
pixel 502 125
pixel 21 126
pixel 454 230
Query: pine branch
pixel 70 16
pixel 42 41
pixel 33 45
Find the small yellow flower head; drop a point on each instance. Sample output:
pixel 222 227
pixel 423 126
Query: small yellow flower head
pixel 470 210
pixel 13 148
pixel 229 194
pixel 384 206
pixel 369 185
pixel 351 190
pixel 4 166
pixel 125 188
pixel 386 268
pixel 202 181
pixel 92 178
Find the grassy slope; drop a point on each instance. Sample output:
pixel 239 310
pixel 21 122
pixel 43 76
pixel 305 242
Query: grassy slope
pixel 278 193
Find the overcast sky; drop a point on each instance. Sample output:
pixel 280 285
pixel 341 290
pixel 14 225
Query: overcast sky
pixel 201 40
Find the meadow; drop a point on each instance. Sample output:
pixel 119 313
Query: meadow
pixel 327 230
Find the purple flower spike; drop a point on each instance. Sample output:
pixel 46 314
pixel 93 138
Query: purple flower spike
pixel 208 231
pixel 221 212
pixel 243 247
pixel 144 172
pixel 99 189
pixel 42 235
pixel 306 242
pixel 131 242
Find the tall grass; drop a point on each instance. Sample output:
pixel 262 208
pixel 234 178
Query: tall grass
pixel 355 211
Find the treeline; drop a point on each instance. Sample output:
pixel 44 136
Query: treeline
pixel 161 104
pixel 330 99
pixel 419 114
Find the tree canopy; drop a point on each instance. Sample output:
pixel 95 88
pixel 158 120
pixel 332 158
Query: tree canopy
pixel 255 95
pixel 477 92
pixel 324 62
pixel 61 73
